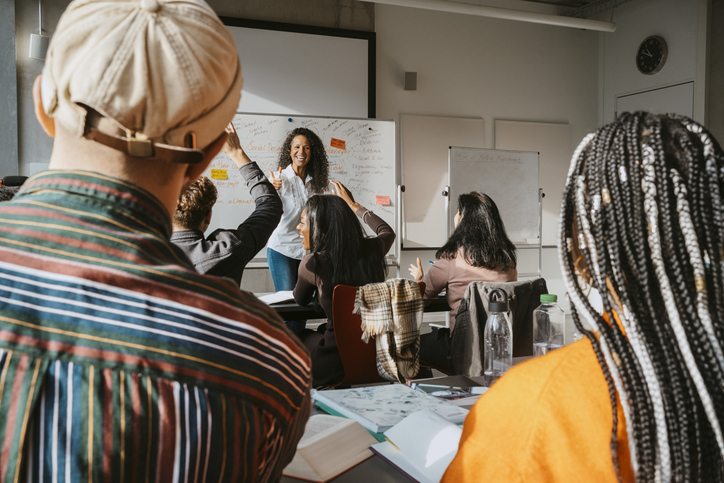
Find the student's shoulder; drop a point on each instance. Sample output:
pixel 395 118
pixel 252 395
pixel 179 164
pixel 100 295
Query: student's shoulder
pixel 315 261
pixel 534 410
pixel 542 388
pixel 220 299
pixel 569 371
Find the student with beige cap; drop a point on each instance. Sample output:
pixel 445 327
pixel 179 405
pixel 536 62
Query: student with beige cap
pixel 117 359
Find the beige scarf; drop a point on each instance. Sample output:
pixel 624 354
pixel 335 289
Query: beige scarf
pixel 392 311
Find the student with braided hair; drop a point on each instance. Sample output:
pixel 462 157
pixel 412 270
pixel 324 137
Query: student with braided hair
pixel 641 397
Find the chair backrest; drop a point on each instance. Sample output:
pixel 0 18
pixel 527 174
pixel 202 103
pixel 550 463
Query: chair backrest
pixel 466 344
pixel 359 359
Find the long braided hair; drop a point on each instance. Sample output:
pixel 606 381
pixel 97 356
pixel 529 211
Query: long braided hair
pixel 642 223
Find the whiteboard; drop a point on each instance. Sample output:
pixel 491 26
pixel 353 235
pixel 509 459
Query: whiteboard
pixel 296 69
pixel 366 164
pixel 553 143
pixel 425 141
pixel 510 178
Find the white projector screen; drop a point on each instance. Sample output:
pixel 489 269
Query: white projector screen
pixel 296 69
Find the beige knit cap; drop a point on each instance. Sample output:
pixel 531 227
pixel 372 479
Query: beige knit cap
pixel 162 70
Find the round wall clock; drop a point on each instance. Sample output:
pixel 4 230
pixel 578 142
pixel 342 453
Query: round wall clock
pixel 651 55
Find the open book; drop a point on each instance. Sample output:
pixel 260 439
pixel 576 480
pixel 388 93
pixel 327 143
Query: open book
pixel 330 446
pixel 378 408
pixel 277 297
pixel 422 446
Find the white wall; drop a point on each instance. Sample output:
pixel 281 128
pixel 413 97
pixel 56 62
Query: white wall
pixel 680 24
pixel 494 69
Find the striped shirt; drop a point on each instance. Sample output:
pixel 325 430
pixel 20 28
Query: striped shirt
pixel 118 362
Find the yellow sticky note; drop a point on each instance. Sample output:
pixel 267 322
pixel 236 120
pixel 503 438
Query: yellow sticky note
pixel 218 174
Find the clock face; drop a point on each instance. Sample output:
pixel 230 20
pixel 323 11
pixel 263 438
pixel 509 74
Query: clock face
pixel 651 55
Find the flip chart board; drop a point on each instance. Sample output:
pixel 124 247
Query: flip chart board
pixel 510 178
pixel 361 155
pixel 553 144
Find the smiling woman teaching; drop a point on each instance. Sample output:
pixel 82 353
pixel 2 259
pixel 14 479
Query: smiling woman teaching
pixel 303 172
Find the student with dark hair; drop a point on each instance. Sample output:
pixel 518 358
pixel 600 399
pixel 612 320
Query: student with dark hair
pixel 641 397
pixel 225 252
pixel 340 253
pixel 478 250
pixel 303 172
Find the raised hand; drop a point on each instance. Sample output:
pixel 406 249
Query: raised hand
pixel 416 270
pixel 341 191
pixel 233 148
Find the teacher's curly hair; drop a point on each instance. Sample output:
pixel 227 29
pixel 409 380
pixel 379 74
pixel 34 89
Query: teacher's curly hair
pixel 318 167
pixel 642 212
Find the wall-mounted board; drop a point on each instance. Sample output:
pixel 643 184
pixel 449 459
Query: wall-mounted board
pixel 425 141
pixel 553 142
pixel 510 178
pixel 300 69
pixel 678 99
pixel 363 160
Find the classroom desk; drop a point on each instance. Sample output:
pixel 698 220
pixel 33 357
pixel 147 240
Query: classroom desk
pixel 294 311
pixel 375 468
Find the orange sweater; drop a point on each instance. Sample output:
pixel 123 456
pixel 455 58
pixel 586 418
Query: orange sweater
pixel 548 419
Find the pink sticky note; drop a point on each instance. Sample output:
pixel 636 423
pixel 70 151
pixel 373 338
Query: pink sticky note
pixel 382 200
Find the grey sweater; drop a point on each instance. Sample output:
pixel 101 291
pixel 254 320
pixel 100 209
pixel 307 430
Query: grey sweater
pixel 225 252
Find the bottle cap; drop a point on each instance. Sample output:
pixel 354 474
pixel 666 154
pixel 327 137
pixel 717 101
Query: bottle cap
pixel 499 305
pixel 549 298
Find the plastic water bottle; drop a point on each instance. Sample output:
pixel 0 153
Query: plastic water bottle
pixel 498 336
pixel 548 325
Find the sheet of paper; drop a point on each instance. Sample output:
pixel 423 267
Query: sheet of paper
pixel 397 458
pixel 319 423
pixel 277 297
pixel 428 440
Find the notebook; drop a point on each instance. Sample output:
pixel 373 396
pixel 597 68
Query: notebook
pixel 378 408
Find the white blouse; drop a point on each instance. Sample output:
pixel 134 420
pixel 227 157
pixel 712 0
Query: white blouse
pixel 294 194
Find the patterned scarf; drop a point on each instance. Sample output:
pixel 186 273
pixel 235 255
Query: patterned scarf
pixel 392 311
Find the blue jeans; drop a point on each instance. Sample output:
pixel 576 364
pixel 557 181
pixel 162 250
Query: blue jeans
pixel 284 274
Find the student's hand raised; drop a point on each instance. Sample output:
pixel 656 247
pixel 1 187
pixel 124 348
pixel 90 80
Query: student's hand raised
pixel 416 270
pixel 341 191
pixel 233 148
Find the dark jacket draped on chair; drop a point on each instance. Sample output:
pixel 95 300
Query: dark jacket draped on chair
pixel 467 350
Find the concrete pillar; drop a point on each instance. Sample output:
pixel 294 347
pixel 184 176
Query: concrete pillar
pixel 9 91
